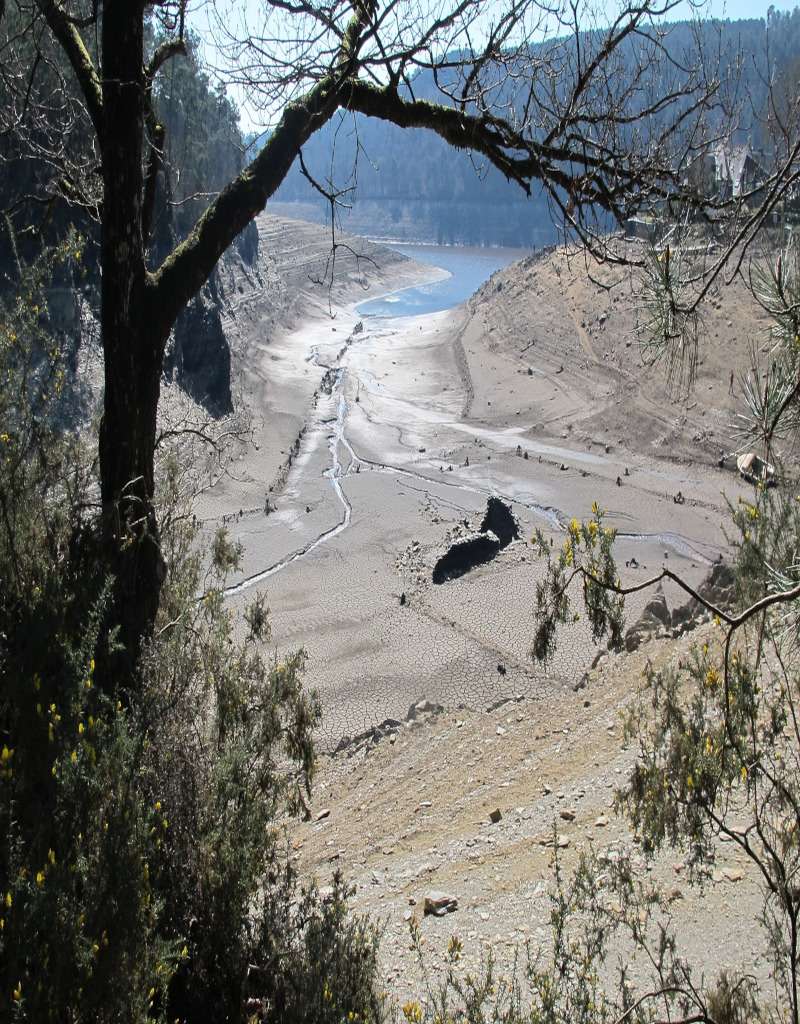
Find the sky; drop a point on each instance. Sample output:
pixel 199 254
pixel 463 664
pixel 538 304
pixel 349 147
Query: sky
pixel 736 9
pixel 732 10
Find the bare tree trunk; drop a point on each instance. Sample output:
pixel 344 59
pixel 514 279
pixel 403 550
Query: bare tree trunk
pixel 132 343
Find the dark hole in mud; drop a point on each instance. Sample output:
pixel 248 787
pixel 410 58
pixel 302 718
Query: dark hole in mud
pixel 500 521
pixel 465 555
pixel 498 529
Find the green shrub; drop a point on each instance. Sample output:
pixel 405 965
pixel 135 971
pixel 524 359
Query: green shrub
pixel 144 873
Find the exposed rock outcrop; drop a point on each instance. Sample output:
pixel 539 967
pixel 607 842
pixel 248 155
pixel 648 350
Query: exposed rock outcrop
pixel 199 358
pixel 718 588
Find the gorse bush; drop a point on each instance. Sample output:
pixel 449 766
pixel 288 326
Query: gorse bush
pixel 143 868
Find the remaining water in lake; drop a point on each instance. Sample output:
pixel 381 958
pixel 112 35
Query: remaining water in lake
pixel 468 269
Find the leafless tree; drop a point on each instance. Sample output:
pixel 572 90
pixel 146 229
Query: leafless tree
pixel 599 111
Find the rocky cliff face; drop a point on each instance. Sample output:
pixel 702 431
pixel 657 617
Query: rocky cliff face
pixel 199 357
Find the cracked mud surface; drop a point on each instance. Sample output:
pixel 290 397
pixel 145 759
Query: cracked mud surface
pixel 398 434
pixel 386 470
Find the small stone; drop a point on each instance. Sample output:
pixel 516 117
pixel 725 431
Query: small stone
pixel 500 731
pixel 324 813
pixel 495 816
pixel 568 814
pixel 732 874
pixel 440 903
pixel 601 822
pixel 547 789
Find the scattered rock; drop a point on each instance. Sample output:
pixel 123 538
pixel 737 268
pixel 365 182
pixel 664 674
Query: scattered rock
pixel 440 903
pixel 568 814
pixel 495 816
pixel 324 813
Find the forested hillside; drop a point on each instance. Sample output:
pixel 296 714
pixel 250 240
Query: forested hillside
pixel 409 184
pixel 203 149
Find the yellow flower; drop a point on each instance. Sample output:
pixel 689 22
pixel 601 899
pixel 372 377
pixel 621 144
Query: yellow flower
pixel 51 856
pixel 412 1012
pixel 18 992
pixel 157 805
pixel 40 878
pixel 81 728
pixel 6 754
pixel 689 781
pixel 9 900
pixel 74 757
pixel 595 509
pixel 744 773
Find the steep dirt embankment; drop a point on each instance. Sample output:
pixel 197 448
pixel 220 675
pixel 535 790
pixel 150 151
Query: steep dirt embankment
pixel 568 346
pixel 464 803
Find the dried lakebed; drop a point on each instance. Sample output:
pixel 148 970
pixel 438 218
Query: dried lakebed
pixel 386 474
